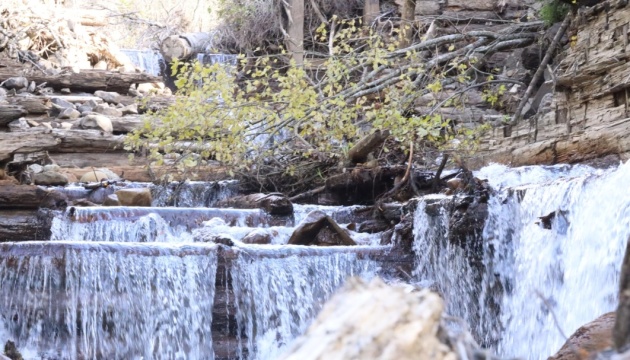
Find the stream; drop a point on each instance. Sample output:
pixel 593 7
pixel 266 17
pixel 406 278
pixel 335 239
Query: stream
pixel 139 283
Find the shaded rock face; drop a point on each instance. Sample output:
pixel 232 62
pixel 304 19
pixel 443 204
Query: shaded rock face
pixel 319 229
pixel 134 197
pixel 589 340
pixel 622 323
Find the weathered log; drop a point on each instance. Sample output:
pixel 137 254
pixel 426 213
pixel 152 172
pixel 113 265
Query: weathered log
pixel 33 105
pixel 360 151
pixel 156 103
pixel 274 204
pixel 183 46
pixel 9 113
pixel 70 141
pixel 86 80
pixel 29 197
pixel 22 225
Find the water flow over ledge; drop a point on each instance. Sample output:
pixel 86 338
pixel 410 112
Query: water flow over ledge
pixel 532 271
pixel 278 297
pixel 78 300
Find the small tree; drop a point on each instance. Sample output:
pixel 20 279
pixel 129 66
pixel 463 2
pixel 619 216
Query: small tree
pixel 290 124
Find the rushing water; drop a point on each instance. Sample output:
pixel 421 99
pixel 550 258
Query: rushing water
pixel 75 300
pixel 535 283
pixel 146 60
pixel 277 297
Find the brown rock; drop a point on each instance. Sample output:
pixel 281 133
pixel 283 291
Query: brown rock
pixel 622 324
pixel 50 178
pixel 134 197
pixel 320 230
pixel 260 236
pixel 111 200
pixel 588 340
pixel 98 175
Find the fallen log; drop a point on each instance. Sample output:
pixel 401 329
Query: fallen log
pixel 9 113
pixel 86 80
pixel 360 151
pixel 36 140
pixel 33 105
pixel 273 204
pixel 183 46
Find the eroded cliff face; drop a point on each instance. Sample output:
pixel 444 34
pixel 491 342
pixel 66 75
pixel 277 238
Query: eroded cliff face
pixel 587 115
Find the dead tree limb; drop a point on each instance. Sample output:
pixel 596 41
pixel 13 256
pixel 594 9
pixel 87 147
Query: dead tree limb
pixel 541 68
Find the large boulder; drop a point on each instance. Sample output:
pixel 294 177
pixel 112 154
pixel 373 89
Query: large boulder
pixel 99 122
pixel 108 96
pixel 50 178
pixel 134 197
pixel 622 324
pixel 98 175
pixel 376 321
pixel 588 340
pixel 320 229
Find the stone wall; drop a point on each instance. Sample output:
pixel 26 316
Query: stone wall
pixel 587 117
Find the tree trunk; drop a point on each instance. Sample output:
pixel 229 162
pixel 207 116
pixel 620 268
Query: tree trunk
pixel 371 10
pixel 86 80
pixel 295 43
pixel 184 46
pixel 408 18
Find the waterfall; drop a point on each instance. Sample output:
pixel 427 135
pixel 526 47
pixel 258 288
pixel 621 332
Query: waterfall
pixel 193 193
pixel 77 300
pixel 535 279
pixel 138 224
pixel 146 60
pixel 568 273
pixel 277 297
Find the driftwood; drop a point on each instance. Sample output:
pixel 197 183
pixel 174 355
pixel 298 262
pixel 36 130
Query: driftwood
pixel 9 113
pixel 359 152
pixel 541 68
pixel 182 47
pixel 86 80
pixel 274 204
pixel 35 140
pixel 33 105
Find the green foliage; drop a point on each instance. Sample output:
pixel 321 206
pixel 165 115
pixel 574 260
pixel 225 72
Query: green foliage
pixel 554 11
pixel 276 118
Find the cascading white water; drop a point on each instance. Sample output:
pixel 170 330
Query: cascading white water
pixel 146 60
pixel 447 267
pixel 140 224
pixel 193 193
pixel 77 300
pixel 277 297
pixel 569 272
pixel 532 276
